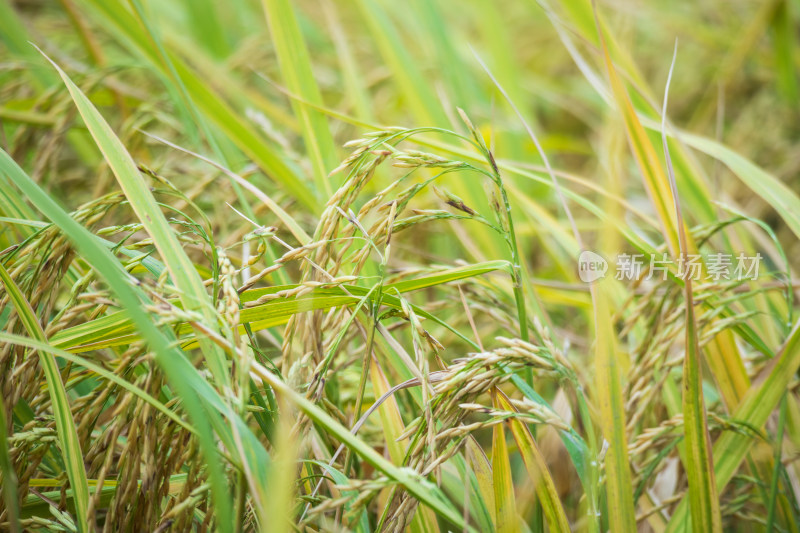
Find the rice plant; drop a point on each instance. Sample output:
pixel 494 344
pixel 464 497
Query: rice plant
pixel 374 266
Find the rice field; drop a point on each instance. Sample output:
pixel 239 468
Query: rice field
pixel 420 266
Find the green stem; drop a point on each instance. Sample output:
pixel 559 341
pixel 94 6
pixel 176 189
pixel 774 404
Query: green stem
pixel 516 268
pixel 241 496
pixel 519 294
pixel 361 386
pixel 592 476
pixel 773 490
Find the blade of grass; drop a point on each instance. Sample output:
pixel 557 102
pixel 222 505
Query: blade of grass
pixel 16 39
pixel 278 311
pixel 427 493
pixel 778 459
pixel 483 476
pixel 199 399
pixel 784 200
pixel 706 514
pixel 9 480
pixel 97 369
pixel 207 25
pixel 192 292
pixel 655 180
pixel 298 76
pixel 537 469
pixel 785 51
pixel 412 83
pixel 340 479
pixel 65 423
pixel 505 508
pixel 277 513
pixel 723 355
pixel 578 450
pixel 352 80
pixel 419 97
pixel 213 105
pixel 760 401
pixel 298 232
pixel 608 390
pixel 393 427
